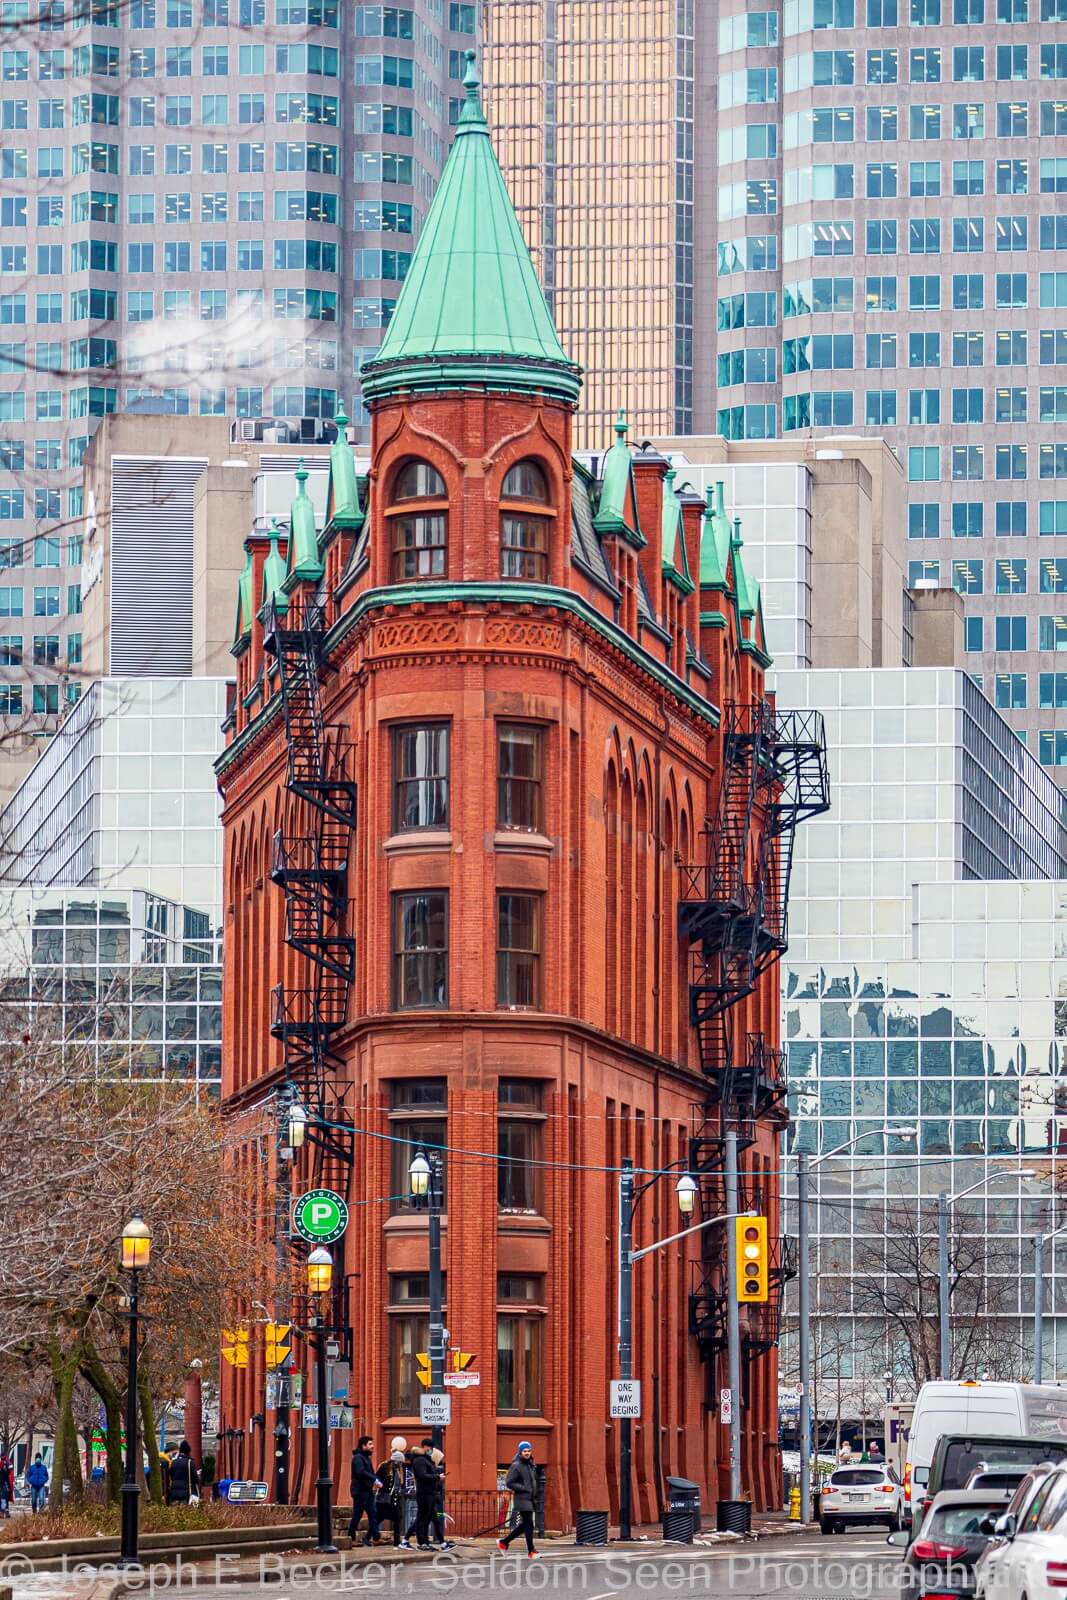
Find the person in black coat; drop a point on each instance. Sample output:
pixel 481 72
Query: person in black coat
pixel 392 1506
pixel 425 1474
pixel 522 1481
pixel 365 1487
pixel 184 1478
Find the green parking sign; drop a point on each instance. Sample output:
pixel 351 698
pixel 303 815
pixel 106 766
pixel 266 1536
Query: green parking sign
pixel 320 1216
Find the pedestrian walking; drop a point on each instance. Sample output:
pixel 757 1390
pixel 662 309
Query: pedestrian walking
pixel 365 1489
pixel 392 1505
pixel 37 1478
pixel 184 1478
pixel 7 1486
pixel 425 1475
pixel 522 1481
pixel 438 1522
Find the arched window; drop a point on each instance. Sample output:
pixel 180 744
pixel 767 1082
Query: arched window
pixel 523 527
pixel 419 535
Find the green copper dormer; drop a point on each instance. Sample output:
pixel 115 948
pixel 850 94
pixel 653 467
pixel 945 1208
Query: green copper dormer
pixel 471 311
pixel 242 628
pixel 673 535
pixel 714 555
pixel 304 564
pixel 343 509
pixel 274 576
pixel 617 509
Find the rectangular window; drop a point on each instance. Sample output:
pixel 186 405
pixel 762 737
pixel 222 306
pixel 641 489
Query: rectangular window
pixel 520 752
pixel 1051 633
pixel 968 291
pixel 1010 519
pixel 1010 691
pixel 924 463
pixel 1009 633
pixel 924 572
pixel 924 406
pixel 519 1146
pixel 1053 574
pixel 924 519
pixel 968 576
pixel 1052 691
pixel 420 950
pixel 518 1365
pixel 968 518
pixel 973 634
pixel 968 462
pixel 420 777
pixel 881 295
pixel 518 953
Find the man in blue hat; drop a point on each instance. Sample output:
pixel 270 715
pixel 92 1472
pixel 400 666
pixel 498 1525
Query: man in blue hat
pixel 522 1481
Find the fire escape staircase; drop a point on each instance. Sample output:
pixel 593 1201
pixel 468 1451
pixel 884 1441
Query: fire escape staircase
pixel 733 913
pixel 310 864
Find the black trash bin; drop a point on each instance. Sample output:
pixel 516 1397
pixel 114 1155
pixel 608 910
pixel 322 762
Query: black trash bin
pixel 591 1527
pixel 734 1516
pixel 681 1510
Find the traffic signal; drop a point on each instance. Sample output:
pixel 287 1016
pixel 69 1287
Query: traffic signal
pixel 235 1346
pixel 422 1368
pixel 279 1343
pixel 753 1275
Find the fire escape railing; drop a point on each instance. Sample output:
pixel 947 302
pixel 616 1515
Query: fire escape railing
pixel 734 915
pixel 310 864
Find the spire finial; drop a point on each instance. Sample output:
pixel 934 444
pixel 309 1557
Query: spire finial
pixel 340 418
pixel 472 114
pixel 709 496
pixel 737 540
pixel 620 423
pixel 301 476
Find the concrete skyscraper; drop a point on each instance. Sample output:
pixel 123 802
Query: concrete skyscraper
pixel 208 208
pixel 836 216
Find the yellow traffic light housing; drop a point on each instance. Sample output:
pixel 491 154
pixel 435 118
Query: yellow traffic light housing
pixel 279 1343
pixel 422 1368
pixel 753 1264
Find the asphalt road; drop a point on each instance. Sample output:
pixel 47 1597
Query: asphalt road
pixel 857 1566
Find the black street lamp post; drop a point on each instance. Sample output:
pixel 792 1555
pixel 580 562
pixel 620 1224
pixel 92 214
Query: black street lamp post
pixel 320 1279
pixel 136 1251
pixel 425 1176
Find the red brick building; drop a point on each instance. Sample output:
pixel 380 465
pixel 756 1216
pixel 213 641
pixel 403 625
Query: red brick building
pixel 508 819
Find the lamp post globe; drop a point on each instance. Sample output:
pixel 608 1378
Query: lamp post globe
pixel 686 1192
pixel 419 1176
pixel 320 1270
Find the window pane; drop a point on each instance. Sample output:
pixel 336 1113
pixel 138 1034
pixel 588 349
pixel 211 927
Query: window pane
pixel 519 1145
pixel 420 950
pixel 420 776
pixel 518 957
pixel 519 777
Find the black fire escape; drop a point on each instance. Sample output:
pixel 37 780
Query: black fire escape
pixel 734 915
pixel 310 863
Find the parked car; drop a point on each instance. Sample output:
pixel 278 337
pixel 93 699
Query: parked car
pixel 1006 1478
pixel 1001 1525
pixel 957 1456
pixel 853 1496
pixel 940 1560
pixel 970 1408
pixel 1032 1563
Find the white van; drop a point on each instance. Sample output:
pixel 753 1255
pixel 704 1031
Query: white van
pixel 967 1406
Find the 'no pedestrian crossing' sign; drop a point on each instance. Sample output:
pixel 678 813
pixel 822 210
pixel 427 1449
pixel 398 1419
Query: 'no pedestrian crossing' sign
pixel 320 1216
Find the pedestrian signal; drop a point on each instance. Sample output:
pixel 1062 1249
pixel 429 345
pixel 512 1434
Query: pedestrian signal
pixel 235 1346
pixel 279 1343
pixel 422 1368
pixel 753 1266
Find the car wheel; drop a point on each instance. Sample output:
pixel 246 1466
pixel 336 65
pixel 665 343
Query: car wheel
pixel 824 1526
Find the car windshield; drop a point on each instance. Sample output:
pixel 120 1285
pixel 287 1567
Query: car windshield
pixel 850 1477
pixel 984 1455
pixel 960 1520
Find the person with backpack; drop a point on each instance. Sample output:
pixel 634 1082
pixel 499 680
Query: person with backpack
pixel 522 1481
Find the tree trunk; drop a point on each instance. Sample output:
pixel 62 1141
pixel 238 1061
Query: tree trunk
pixel 64 1366
pixel 98 1377
pixel 151 1443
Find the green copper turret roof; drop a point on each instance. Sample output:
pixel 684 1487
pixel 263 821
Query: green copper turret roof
pixel 471 310
pixel 303 561
pixel 242 629
pixel 673 537
pixel 274 575
pixel 343 509
pixel 714 553
pixel 617 510
pixel 746 588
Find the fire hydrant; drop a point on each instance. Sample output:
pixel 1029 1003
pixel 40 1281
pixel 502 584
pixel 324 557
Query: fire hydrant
pixel 794 1503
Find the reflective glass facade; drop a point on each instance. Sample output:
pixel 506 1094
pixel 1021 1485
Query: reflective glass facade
pixel 209 208
pixel 916 994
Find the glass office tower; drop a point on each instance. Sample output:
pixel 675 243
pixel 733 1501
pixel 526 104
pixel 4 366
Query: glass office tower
pixel 891 257
pixel 208 207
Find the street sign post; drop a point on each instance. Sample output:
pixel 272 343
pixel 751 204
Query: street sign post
pixel 462 1380
pixel 625 1397
pixel 435 1409
pixel 726 1405
pixel 320 1216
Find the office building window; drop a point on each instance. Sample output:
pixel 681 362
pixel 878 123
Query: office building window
pixel 420 777
pixel 518 950
pixel 520 759
pixel 420 950
pixel 1009 633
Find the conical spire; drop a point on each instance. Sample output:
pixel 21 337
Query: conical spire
pixel 471 309
pixel 617 510
pixel 274 575
pixel 746 589
pixel 713 554
pixel 673 539
pixel 304 561
pixel 242 628
pixel 342 495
